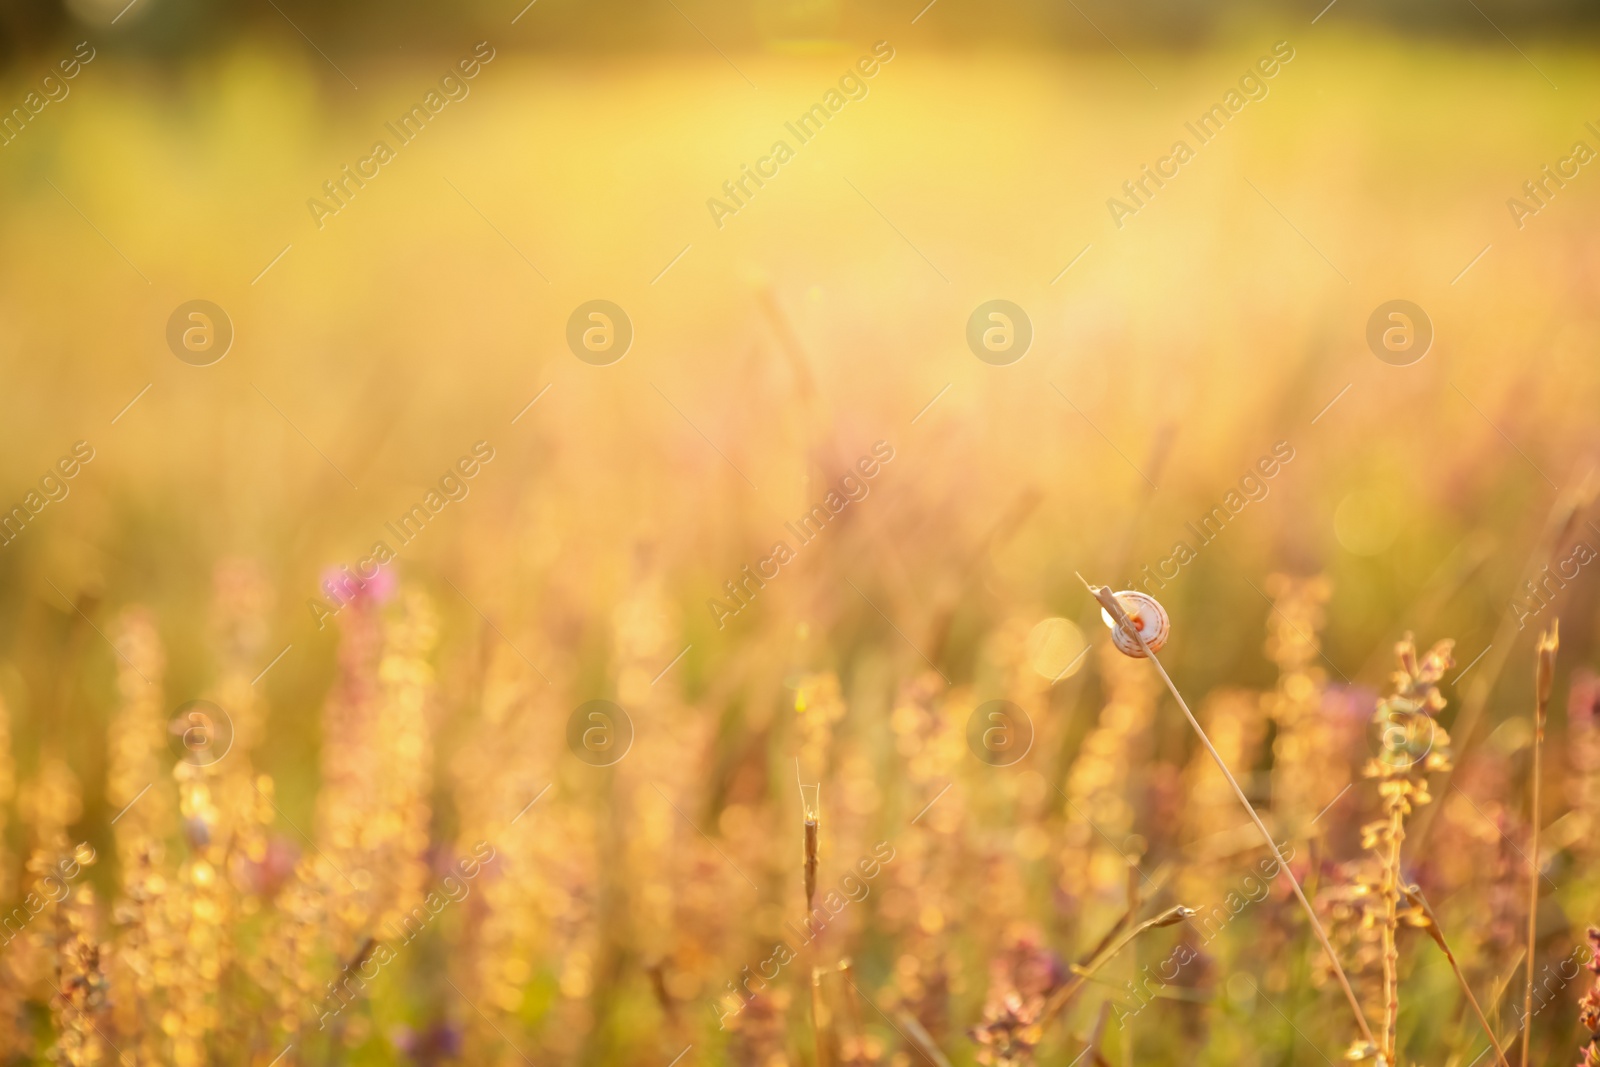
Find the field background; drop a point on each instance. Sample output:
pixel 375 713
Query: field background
pixel 824 317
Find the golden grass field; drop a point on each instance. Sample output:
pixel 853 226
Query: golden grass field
pixel 399 837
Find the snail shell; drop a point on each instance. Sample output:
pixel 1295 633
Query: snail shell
pixel 1147 615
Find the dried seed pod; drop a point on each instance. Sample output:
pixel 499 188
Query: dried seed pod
pixel 1147 615
pixel 811 811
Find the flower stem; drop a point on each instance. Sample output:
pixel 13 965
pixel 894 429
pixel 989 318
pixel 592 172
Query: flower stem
pixel 1414 894
pixel 1391 922
pixel 1109 601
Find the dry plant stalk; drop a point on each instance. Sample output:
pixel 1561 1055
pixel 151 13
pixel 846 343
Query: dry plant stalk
pixel 1417 900
pixel 1135 902
pixel 1414 745
pixel 922 1039
pixel 818 1015
pixel 811 863
pixel 1082 973
pixel 1564 514
pixel 1108 600
pixel 811 814
pixel 854 1045
pixel 1544 670
pixel 1396 833
pixel 1097 1035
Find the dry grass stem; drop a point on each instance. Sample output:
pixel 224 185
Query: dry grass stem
pixel 1543 678
pixel 1098 1034
pixel 922 1039
pixel 1395 834
pixel 1108 601
pixel 1413 745
pixel 1414 895
pixel 819 1016
pixel 1081 973
pixel 811 814
pixel 1563 519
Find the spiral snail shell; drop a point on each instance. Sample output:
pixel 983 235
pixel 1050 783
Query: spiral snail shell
pixel 1147 615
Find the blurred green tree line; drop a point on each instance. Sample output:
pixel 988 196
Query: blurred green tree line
pixel 171 29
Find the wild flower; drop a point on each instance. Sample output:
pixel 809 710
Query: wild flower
pixel 501 950
pixel 1583 759
pixel 1021 980
pixel 1105 778
pixel 760 1035
pixel 1413 745
pixel 437 1044
pixel 140 788
pixel 1304 780
pixel 80 978
pixel 1589 1006
pixel 610 916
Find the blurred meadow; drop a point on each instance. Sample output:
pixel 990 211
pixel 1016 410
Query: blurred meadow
pixel 396 829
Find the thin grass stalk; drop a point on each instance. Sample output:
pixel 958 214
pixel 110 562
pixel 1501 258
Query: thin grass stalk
pixel 1543 678
pixel 1503 985
pixel 1135 902
pixel 1563 517
pixel 857 1025
pixel 1109 601
pixel 811 814
pixel 922 1039
pixel 811 863
pixel 1098 1034
pixel 1391 923
pixel 817 1012
pixel 1435 931
pixel 1081 974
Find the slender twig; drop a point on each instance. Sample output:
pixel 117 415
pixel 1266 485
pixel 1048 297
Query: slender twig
pixel 1081 974
pixel 1543 676
pixel 1414 894
pixel 1109 601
